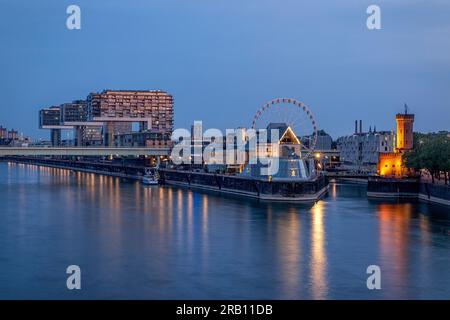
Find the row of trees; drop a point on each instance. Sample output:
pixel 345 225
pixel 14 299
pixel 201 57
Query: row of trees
pixel 432 153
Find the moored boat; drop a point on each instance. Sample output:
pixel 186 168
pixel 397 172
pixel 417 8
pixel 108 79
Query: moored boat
pixel 150 177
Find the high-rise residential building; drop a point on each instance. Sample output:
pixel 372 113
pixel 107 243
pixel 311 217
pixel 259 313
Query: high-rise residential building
pixel 75 111
pixel 50 117
pixel 122 127
pixel 110 113
pixel 152 109
pixel 75 114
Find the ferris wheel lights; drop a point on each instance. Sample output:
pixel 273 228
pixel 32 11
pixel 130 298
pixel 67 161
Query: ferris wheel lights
pixel 279 111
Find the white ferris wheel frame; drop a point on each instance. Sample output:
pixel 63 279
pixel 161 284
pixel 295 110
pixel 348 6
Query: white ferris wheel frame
pixel 303 107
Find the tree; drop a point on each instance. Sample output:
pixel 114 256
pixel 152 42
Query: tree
pixel 446 162
pixel 430 152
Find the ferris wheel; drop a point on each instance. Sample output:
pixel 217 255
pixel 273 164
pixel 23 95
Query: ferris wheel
pixel 293 113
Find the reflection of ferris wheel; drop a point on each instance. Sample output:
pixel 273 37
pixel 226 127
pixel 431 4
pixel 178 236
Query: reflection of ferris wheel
pixel 293 113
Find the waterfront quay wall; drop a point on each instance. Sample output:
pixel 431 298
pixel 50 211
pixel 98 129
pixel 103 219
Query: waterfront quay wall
pixel 408 188
pixel 110 169
pixel 434 193
pixel 289 190
pixel 348 177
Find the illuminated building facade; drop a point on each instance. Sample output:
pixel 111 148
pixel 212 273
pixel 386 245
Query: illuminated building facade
pixel 287 149
pixel 391 164
pixel 152 109
pixel 404 131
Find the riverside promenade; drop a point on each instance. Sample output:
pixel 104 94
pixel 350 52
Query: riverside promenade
pixel 128 171
pixel 415 189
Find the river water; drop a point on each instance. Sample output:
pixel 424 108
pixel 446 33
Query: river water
pixel 135 242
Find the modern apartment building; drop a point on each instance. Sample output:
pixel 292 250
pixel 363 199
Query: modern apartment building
pixel 50 118
pixel 153 109
pixel 102 116
pixel 75 111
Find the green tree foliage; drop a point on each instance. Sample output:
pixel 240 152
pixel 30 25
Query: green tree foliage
pixel 430 152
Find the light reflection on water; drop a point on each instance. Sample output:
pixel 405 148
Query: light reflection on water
pixel 161 242
pixel 318 257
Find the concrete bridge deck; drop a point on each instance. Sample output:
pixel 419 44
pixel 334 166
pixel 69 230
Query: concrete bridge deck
pixel 100 151
pixel 82 151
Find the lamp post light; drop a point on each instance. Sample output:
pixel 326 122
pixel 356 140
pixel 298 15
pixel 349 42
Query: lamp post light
pixel 318 157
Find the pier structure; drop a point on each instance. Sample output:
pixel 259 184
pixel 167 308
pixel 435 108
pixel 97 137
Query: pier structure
pixel 294 190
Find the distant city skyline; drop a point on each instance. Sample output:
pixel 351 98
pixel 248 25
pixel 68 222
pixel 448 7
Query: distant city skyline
pixel 222 60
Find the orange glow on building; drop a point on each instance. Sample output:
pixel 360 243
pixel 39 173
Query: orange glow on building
pixel 391 164
pixel 404 131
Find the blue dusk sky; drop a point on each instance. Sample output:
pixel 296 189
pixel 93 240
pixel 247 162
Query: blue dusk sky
pixel 222 59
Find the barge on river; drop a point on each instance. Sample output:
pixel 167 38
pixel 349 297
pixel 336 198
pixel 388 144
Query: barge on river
pixel 292 190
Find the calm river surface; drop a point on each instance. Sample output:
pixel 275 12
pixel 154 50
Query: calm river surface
pixel 135 242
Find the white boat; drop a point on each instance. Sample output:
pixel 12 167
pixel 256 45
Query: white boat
pixel 150 177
